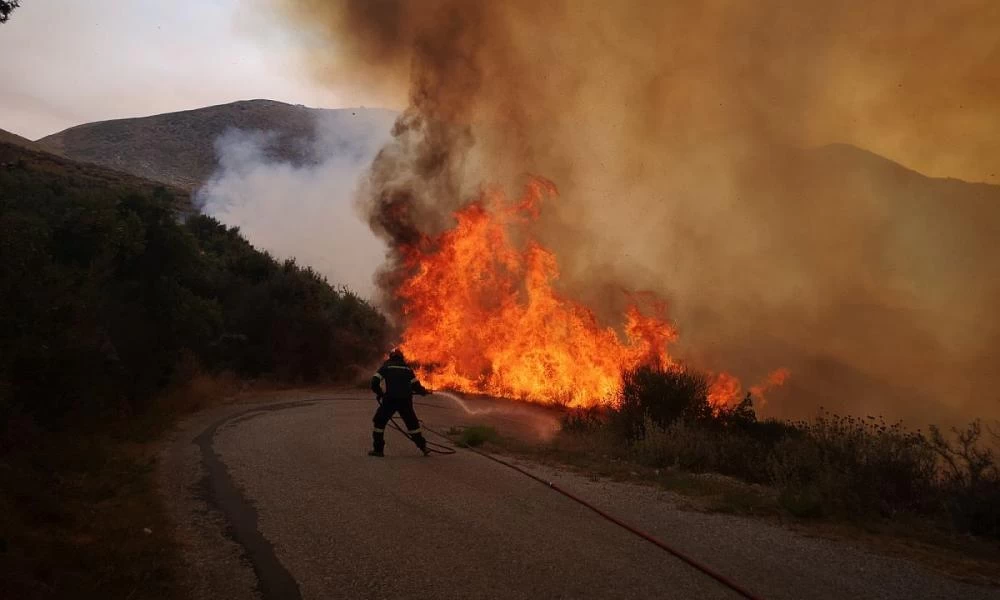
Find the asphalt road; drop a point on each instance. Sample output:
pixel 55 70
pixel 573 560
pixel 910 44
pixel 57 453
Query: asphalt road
pixel 280 500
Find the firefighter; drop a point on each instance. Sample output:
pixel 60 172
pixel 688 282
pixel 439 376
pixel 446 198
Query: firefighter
pixel 400 385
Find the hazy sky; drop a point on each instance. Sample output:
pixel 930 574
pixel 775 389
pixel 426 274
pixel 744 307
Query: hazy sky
pixel 76 61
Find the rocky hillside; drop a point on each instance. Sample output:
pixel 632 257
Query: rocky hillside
pixel 179 148
pixel 7 137
pixel 26 161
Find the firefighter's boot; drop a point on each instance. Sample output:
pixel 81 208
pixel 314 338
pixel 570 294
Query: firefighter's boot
pixel 418 439
pixel 378 443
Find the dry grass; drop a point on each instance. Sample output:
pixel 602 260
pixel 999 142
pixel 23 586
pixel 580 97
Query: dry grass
pixel 80 518
pixel 201 390
pixel 474 436
pixel 79 513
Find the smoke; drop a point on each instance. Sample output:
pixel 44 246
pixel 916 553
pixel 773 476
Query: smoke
pixel 726 154
pixel 305 211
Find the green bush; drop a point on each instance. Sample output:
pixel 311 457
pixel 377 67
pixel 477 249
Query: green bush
pixel 106 291
pixel 477 435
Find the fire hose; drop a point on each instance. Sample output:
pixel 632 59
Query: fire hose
pixel 732 585
pixel 431 446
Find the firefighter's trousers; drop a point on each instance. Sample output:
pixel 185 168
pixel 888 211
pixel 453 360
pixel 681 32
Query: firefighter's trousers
pixel 390 406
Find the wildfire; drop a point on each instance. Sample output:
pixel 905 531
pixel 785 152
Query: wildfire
pixel 726 390
pixel 481 315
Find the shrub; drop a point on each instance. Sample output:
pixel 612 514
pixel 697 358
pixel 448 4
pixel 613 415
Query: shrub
pixel 853 465
pixel 477 435
pixel 969 480
pixel 107 299
pixel 847 466
pixel 695 447
pixel 662 395
pixel 584 420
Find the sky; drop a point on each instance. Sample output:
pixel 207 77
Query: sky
pixel 78 61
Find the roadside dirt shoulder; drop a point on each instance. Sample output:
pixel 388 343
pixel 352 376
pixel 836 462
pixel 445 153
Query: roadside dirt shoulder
pixel 214 566
pixel 761 552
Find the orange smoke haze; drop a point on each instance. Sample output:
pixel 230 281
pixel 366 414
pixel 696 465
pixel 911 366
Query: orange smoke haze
pixel 733 157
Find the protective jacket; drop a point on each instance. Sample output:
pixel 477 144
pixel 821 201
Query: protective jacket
pixel 399 379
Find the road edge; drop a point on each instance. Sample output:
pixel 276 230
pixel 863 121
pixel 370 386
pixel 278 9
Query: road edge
pixel 214 565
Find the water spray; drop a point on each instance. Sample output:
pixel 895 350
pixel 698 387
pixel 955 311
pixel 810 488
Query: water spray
pixel 521 413
pixel 461 403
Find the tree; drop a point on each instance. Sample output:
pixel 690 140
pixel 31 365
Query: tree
pixel 7 7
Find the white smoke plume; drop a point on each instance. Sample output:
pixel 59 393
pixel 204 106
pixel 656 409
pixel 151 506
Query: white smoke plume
pixel 304 211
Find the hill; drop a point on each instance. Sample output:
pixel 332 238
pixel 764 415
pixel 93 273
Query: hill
pixel 12 138
pixel 27 159
pixel 179 148
pixel 881 287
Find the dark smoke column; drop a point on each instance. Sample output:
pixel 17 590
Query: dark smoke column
pixel 415 183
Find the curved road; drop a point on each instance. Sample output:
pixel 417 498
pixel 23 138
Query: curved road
pixel 279 500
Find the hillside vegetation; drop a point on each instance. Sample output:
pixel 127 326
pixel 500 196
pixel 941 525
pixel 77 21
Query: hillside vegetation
pixel 105 292
pixel 116 306
pixel 7 137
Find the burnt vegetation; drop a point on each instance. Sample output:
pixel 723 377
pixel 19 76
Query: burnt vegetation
pixel 858 468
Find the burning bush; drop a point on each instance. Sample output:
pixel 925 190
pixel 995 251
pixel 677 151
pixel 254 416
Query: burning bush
pixel 665 414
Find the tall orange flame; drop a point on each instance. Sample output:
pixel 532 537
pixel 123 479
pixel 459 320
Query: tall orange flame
pixel 481 315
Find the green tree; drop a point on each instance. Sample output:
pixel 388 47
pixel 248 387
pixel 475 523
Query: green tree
pixel 7 7
pixel 108 296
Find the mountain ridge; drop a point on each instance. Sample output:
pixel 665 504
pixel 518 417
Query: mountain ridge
pixel 34 162
pixel 17 140
pixel 178 148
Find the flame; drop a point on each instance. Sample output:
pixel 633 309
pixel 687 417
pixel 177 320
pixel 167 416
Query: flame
pixel 775 379
pixel 726 390
pixel 481 315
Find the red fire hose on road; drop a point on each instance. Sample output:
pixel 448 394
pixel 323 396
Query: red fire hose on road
pixel 649 538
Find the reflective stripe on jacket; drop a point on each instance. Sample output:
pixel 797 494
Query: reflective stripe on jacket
pixel 400 382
